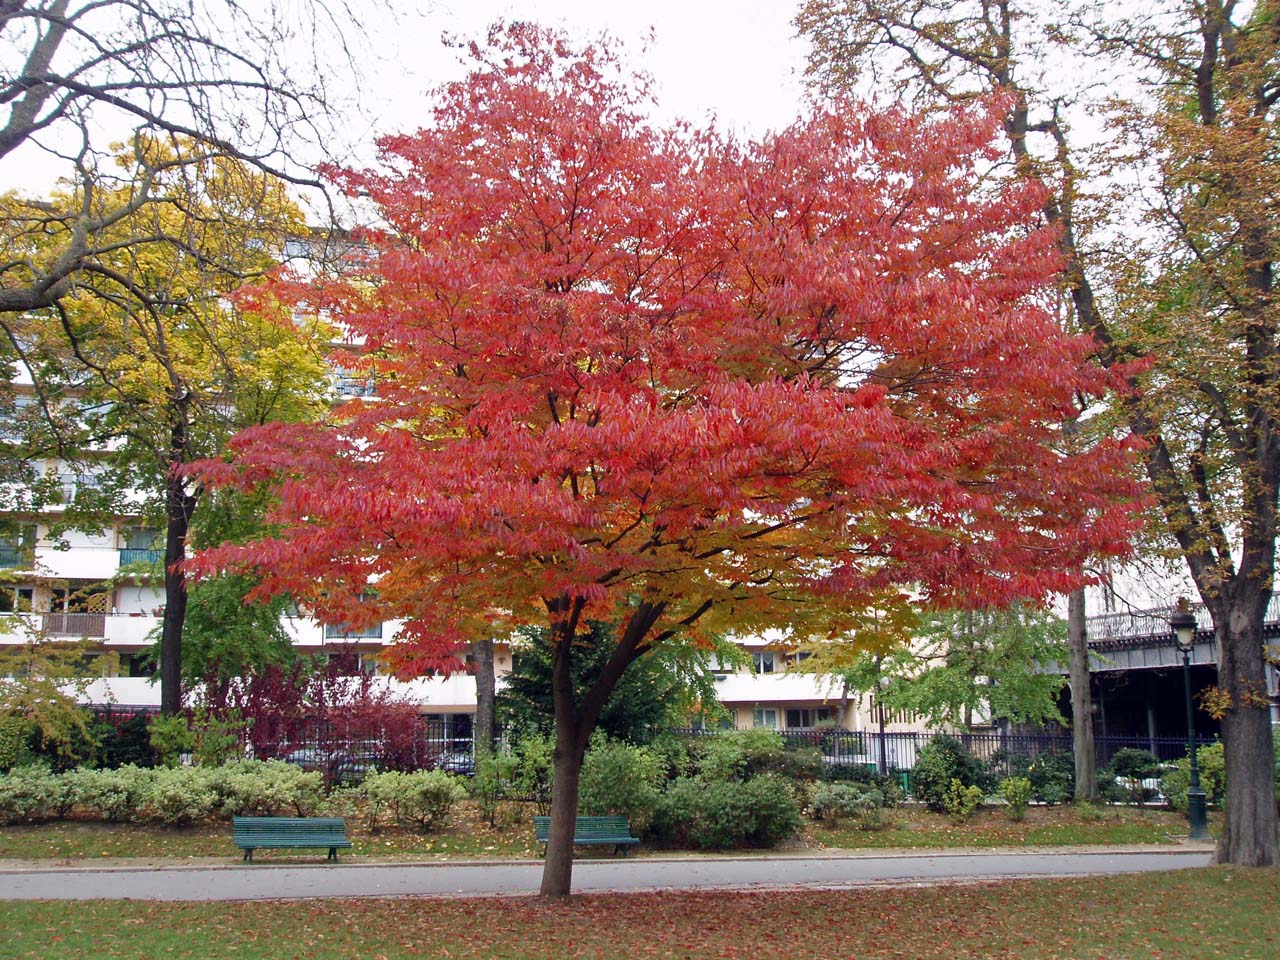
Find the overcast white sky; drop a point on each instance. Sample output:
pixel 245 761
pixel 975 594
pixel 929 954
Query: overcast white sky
pixel 738 60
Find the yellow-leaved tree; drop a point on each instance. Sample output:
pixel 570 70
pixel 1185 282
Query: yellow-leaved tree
pixel 160 360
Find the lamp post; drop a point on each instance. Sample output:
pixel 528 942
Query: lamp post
pixel 1183 625
pixel 883 683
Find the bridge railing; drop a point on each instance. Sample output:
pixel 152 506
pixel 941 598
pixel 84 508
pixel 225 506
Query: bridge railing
pixel 1133 624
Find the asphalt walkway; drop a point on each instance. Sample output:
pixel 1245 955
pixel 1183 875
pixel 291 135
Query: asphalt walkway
pixel 267 881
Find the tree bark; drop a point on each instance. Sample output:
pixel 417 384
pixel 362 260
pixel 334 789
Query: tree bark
pixel 575 723
pixel 557 868
pixel 1249 834
pixel 486 696
pixel 1078 678
pixel 179 506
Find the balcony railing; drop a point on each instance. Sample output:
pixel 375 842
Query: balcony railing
pixel 333 632
pixel 140 555
pixel 74 625
pixel 11 556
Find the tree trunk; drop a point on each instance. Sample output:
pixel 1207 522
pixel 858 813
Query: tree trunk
pixel 575 722
pixel 1249 835
pixel 486 696
pixel 179 506
pixel 1078 678
pixel 557 868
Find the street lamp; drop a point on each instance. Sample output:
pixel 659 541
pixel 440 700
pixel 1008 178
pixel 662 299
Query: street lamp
pixel 1183 625
pixel 883 683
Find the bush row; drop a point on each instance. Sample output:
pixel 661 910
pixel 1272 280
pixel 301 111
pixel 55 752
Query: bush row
pixel 176 796
pixel 184 795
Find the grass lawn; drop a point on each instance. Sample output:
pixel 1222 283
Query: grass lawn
pixel 1215 912
pixel 915 827
pixel 467 836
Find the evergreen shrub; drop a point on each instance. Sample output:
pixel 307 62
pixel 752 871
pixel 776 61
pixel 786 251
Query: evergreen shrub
pixel 940 761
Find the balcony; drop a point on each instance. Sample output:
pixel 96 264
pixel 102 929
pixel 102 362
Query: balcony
pixel 332 632
pixel 140 555
pixel 92 625
pixel 11 556
pixel 114 629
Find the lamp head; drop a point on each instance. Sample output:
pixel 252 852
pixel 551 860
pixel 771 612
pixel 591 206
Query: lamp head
pixel 1183 625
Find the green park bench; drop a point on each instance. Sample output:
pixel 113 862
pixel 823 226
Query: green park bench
pixel 592 831
pixel 257 833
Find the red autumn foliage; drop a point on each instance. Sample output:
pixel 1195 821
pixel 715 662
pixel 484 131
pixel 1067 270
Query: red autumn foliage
pixel 333 707
pixel 659 377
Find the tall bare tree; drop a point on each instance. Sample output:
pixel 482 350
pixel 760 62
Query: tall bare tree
pixel 126 101
pixel 1190 320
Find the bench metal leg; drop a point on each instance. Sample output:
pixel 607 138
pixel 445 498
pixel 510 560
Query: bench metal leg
pixel 333 854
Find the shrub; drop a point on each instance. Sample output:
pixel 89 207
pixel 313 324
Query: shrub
pixel 127 743
pixel 535 770
pixel 1213 778
pixel 170 738
pixel 1134 763
pixel 29 794
pixel 14 734
pixel 111 794
pixel 940 761
pixel 675 755
pixel 621 779
pixel 180 795
pixel 494 772
pixel 741 754
pixel 832 802
pixel 1128 768
pixel 804 765
pixel 717 815
pixel 1016 793
pixel 215 740
pixel 265 788
pixel 961 802
pixel 1053 777
pixel 423 797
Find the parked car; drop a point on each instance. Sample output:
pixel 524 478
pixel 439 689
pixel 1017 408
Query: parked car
pixel 462 764
pixel 309 758
pixel 348 770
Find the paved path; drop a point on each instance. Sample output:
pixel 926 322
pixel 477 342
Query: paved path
pixel 268 882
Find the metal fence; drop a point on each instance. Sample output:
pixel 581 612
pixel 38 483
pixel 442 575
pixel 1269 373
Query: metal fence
pixel 999 751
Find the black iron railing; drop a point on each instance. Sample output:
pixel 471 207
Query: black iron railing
pixel 997 750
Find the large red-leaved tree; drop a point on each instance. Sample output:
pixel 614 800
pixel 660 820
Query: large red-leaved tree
pixel 659 378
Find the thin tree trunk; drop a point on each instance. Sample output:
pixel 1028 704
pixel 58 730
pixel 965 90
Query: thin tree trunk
pixel 179 506
pixel 575 722
pixel 486 696
pixel 557 868
pixel 1078 677
pixel 1249 834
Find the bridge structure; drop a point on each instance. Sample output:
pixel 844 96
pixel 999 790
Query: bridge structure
pixel 1140 639
pixel 1131 651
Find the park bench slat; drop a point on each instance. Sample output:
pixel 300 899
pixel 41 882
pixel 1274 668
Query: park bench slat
pixel 257 833
pixel 592 831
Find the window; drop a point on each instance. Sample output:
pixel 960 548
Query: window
pixel 69 484
pixel 764 661
pixel 765 717
pixel 141 538
pixel 806 718
pixel 16 599
pixel 17 545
